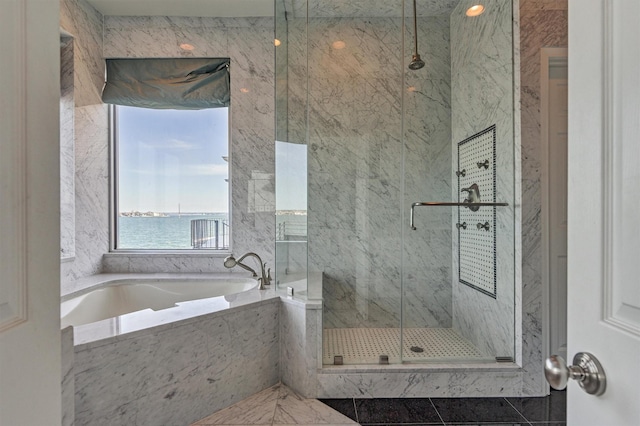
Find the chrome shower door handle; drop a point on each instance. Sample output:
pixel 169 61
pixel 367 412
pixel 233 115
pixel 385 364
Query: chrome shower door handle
pixel 469 205
pixel 587 370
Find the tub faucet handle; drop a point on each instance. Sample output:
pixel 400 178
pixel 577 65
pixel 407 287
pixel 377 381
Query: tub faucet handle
pixel 261 284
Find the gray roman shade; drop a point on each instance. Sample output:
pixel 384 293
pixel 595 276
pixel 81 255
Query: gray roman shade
pixel 172 83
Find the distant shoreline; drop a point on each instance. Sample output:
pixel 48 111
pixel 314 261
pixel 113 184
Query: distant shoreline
pixel 168 214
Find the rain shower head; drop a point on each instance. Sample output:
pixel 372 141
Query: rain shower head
pixel 416 63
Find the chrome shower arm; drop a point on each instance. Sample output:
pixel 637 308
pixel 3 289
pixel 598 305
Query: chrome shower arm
pixel 448 204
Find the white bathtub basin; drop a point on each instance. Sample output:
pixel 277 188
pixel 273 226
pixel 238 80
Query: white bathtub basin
pixel 123 297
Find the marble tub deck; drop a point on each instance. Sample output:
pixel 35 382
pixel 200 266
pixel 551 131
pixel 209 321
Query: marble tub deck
pixel 277 405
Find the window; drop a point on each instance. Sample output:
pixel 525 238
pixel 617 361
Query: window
pixel 171 178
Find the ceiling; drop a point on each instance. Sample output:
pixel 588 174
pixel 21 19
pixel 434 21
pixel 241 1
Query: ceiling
pixel 204 8
pixel 259 8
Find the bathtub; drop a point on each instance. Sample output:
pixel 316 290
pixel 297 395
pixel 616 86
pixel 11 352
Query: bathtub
pixel 127 296
pixel 124 303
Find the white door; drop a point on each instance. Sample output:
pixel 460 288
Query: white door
pixel 604 206
pixel 30 361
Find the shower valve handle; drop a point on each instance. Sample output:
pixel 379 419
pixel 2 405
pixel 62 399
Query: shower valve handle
pixel 474 196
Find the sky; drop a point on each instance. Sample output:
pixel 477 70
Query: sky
pixel 172 157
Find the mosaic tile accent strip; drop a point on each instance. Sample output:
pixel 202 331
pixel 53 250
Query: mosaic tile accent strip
pixel 477 242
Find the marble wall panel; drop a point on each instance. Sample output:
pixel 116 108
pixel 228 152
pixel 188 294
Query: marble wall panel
pixel 181 374
pixel 300 329
pixel 248 42
pixel 355 162
pixel 68 377
pixel 67 151
pixel 482 95
pixel 90 139
pixel 451 383
pixel 543 23
pixel 84 23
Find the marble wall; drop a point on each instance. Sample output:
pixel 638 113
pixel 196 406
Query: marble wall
pixel 67 152
pixel 544 23
pixel 90 129
pixel 357 192
pixel 248 42
pixel 300 345
pixel 482 95
pixel 179 373
pixel 68 377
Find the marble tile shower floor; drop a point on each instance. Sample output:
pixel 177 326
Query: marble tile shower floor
pixel 365 345
pixel 277 405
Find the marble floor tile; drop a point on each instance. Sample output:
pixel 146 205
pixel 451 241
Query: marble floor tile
pixel 397 410
pixel 294 409
pixel 549 409
pixel 480 410
pixel 277 405
pixel 258 409
pixel 345 406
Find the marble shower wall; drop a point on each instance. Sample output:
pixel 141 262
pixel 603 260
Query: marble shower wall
pixel 427 261
pixel 482 95
pixel 91 182
pixel 355 161
pixel 248 42
pixel 543 23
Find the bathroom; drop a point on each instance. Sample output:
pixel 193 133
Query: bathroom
pixel 248 42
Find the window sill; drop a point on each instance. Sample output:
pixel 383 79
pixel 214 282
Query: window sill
pixel 169 253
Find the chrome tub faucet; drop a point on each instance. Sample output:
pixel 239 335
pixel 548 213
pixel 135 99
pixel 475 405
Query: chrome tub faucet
pixel 264 280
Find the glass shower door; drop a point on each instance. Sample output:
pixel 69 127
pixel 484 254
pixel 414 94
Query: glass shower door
pixel 458 265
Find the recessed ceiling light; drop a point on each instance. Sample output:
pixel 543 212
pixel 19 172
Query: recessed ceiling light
pixel 475 10
pixel 339 44
pixel 244 90
pixel 187 46
pixel 276 42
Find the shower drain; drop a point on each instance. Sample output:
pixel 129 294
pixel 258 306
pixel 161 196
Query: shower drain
pixel 417 349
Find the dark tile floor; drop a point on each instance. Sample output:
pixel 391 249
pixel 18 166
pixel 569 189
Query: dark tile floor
pixel 549 411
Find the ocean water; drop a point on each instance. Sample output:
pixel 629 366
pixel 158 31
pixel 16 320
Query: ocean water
pixel 173 232
pixel 166 233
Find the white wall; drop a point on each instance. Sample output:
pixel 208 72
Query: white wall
pixel 30 362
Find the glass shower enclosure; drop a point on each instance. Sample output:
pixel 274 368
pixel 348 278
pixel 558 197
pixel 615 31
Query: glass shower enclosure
pixel 396 184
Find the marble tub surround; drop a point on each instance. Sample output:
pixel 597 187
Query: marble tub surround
pixel 277 405
pixel 68 377
pixel 180 372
